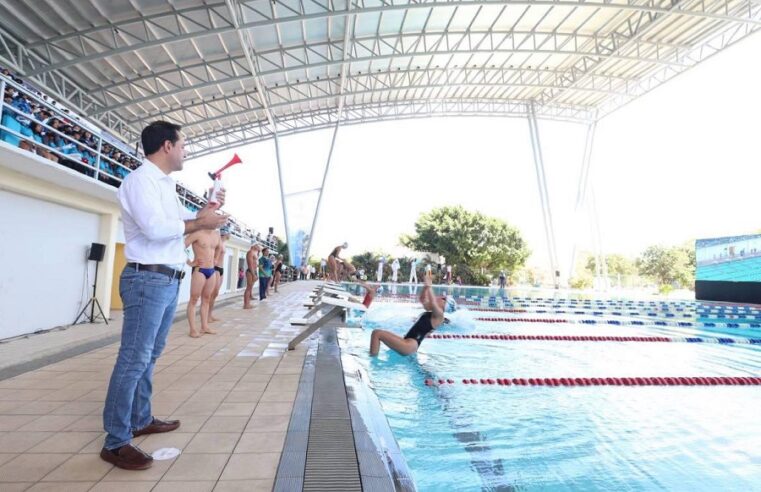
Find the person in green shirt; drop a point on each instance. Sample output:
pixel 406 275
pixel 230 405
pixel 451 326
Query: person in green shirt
pixel 265 273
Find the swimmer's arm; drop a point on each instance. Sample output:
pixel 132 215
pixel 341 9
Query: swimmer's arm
pixel 437 315
pixel 427 299
pixel 219 248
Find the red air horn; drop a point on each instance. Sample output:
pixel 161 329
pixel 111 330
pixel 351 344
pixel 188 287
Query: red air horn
pixel 217 176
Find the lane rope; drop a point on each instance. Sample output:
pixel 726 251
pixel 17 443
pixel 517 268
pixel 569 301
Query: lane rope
pixel 608 381
pixel 594 338
pixel 625 322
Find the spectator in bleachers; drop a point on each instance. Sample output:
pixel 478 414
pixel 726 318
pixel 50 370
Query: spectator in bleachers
pixel 34 123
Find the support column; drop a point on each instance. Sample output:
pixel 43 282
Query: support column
pixel 581 192
pixel 282 192
pixel 541 179
pixel 109 225
pixel 322 190
pixel 602 263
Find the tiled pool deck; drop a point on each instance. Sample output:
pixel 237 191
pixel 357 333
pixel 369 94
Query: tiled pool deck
pixel 234 393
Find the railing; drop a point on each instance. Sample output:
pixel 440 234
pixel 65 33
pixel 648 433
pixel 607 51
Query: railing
pixel 86 159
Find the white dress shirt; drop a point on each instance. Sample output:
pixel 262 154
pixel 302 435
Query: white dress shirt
pixel 153 217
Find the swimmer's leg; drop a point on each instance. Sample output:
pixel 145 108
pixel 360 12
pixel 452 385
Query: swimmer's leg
pixel 404 346
pixel 370 295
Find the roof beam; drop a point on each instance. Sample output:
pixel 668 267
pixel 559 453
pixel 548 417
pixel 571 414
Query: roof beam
pixel 624 37
pixel 373 49
pixel 245 41
pixel 353 94
pixel 737 11
pixel 491 76
pixel 236 136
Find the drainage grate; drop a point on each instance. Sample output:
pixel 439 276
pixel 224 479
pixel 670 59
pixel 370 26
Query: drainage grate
pixel 331 462
pixel 319 452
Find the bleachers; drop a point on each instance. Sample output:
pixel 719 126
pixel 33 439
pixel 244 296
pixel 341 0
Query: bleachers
pixel 36 123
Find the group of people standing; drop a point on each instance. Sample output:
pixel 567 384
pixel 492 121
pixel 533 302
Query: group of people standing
pixel 207 270
pixel 266 268
pixel 336 268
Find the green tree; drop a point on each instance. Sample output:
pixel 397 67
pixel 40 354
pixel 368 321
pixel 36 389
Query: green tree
pixel 617 264
pixel 367 261
pixel 469 240
pixel 668 265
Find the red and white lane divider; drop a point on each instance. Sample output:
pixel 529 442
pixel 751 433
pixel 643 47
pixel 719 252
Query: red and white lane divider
pixel 635 381
pixel 594 338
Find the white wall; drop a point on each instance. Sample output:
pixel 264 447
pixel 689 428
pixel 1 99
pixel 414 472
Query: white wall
pixel 43 248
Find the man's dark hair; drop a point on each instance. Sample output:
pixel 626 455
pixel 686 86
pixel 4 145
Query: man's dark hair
pixel 158 132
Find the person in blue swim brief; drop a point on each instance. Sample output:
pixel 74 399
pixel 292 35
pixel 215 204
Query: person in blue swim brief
pixel 203 279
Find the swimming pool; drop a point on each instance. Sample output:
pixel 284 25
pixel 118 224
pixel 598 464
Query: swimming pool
pixel 458 436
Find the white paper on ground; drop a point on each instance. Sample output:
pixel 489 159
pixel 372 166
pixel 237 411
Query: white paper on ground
pixel 166 453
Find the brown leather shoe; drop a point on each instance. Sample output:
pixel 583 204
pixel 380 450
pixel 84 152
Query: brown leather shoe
pixel 157 426
pixel 128 457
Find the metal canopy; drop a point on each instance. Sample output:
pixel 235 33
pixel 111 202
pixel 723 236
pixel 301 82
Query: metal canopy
pixel 236 71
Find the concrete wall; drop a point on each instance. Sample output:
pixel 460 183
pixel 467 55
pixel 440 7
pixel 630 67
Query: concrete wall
pixel 50 216
pixel 45 285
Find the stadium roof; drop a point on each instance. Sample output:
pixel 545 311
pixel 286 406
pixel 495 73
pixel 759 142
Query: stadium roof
pixel 236 71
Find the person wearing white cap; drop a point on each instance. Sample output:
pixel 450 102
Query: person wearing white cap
pixel 395 270
pixel 334 260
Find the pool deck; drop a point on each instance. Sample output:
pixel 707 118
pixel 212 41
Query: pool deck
pixel 234 393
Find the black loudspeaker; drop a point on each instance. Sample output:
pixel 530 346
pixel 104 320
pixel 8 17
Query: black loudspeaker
pixel 97 251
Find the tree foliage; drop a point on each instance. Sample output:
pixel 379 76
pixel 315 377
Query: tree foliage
pixel 617 265
pixel 468 239
pixel 668 265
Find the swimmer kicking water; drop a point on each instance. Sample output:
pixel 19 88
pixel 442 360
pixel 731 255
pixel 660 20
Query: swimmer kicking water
pixel 431 319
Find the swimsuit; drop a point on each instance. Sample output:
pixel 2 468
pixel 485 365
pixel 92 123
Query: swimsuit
pixel 220 270
pixel 368 299
pixel 421 328
pixel 207 272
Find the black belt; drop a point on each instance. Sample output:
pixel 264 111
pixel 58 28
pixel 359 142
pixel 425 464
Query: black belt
pixel 163 269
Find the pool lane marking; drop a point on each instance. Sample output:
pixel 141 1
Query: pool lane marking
pixel 592 312
pixel 607 381
pixel 634 322
pixel 594 338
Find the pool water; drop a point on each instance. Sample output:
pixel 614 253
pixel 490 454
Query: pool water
pixel 534 438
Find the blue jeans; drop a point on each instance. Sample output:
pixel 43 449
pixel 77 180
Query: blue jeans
pixel 264 282
pixel 150 300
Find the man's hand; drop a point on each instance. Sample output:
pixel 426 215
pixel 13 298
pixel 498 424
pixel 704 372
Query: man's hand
pixel 220 200
pixel 207 218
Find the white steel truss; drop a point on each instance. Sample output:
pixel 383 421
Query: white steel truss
pixel 258 68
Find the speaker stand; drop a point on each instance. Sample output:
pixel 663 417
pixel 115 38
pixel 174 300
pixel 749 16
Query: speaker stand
pixel 92 304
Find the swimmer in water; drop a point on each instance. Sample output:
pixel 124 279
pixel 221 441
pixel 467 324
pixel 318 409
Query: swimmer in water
pixel 431 319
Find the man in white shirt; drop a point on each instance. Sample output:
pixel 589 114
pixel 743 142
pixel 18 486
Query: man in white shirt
pixel 381 263
pixel 395 270
pixel 154 225
pixel 413 270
